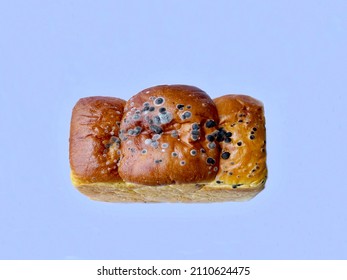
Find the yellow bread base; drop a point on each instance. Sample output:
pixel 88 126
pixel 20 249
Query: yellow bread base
pixel 186 193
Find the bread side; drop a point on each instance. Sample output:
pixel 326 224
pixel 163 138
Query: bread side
pixel 186 193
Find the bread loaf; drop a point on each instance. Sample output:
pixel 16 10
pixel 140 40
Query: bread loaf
pixel 168 144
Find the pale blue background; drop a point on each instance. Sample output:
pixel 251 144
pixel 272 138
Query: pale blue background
pixel 289 54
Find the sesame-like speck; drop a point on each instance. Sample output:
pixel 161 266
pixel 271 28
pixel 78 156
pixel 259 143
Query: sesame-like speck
pixel 174 154
pixel 180 107
pixel 239 143
pixel 162 110
pixel 182 162
pixel 144 151
pixel 210 161
pixel 146 104
pixel 202 150
pixel 151 109
pixel 193 152
pixel 254 129
pixel 215 169
pixel 189 106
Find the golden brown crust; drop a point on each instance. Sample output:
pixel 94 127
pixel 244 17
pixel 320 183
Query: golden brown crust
pixel 243 158
pixel 168 144
pixel 163 137
pixel 94 142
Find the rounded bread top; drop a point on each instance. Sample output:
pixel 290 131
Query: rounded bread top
pixel 163 134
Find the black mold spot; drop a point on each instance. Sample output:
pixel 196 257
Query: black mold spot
pixel 186 115
pixel 195 126
pixel 210 123
pixel 225 155
pixel 156 129
pixel 156 120
pixel 210 138
pixel 159 101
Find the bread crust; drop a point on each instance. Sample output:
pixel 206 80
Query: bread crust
pixel 243 159
pixel 94 143
pixel 168 144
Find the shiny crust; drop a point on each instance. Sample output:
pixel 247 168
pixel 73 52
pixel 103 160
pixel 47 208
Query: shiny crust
pixel 168 144
pixel 94 142
pixel 243 160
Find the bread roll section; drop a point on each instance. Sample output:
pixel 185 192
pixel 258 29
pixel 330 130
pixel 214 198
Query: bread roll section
pixel 243 155
pixel 163 136
pixel 168 144
pixel 94 140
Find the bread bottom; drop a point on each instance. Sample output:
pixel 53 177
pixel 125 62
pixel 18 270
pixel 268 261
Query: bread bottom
pixel 187 193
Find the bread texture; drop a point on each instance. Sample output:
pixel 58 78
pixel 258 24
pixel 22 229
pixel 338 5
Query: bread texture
pixel 168 143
